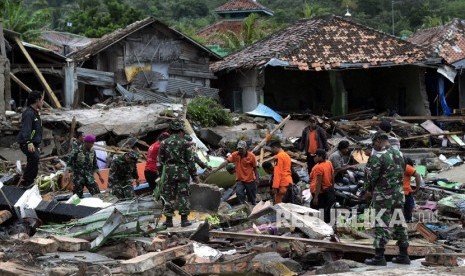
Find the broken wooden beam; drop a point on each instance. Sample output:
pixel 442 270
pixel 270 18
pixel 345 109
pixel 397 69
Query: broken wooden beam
pixel 427 117
pixel 39 75
pixel 263 142
pixel 318 243
pixel 431 134
pixel 151 260
pixel 426 233
pixel 24 86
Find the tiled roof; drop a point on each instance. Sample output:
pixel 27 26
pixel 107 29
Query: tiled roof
pixel 221 27
pixel 242 5
pixel 106 41
pixel 325 43
pixel 447 40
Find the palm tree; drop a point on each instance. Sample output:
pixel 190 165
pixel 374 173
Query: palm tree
pixel 17 18
pixel 250 33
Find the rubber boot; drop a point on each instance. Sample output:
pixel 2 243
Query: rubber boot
pixel 168 222
pixel 185 222
pixel 402 258
pixel 378 259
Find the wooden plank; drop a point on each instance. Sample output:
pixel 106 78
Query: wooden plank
pixel 318 243
pixel 426 233
pixel 443 259
pixel 218 268
pixel 419 248
pixel 188 73
pixel 434 129
pixel 283 122
pixel 421 118
pixel 25 87
pixel 39 75
pixel 457 139
pixel 430 134
pixel 2 41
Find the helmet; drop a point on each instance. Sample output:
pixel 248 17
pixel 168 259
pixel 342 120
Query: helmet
pixel 188 138
pixel 176 125
pixel 133 155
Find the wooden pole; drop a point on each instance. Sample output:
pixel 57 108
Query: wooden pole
pixel 283 122
pixel 39 75
pixel 24 86
pixel 2 40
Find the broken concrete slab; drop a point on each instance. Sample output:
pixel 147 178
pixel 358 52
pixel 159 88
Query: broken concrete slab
pixel 339 266
pixel 304 219
pixel 153 259
pixel 204 197
pixel 41 246
pixel 26 204
pixel 119 120
pixel 68 244
pixel 443 259
pixel 210 137
pixel 202 233
pixel 14 269
pixel 82 256
pixel 9 195
pixel 261 208
pixel 121 250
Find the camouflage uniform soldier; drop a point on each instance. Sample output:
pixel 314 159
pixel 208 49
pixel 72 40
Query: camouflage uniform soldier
pixel 123 171
pixel 385 170
pixel 83 162
pixel 176 155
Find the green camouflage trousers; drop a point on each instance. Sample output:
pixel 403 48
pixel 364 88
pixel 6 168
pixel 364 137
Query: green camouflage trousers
pixel 383 232
pixel 173 193
pixel 123 189
pixel 84 179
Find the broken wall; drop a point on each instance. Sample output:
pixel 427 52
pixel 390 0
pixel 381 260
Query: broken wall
pixel 3 64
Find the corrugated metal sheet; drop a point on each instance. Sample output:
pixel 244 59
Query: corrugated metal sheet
pixel 142 95
pixel 177 87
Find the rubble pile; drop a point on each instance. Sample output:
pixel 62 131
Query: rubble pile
pixel 55 234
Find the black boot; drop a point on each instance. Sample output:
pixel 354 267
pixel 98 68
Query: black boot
pixel 402 258
pixel 185 222
pixel 378 259
pixel 168 222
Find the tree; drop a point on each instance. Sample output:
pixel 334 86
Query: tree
pixel 17 18
pixel 311 11
pixel 95 18
pixel 250 33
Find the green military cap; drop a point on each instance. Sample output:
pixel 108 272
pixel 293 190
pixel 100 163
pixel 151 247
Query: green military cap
pixel 176 125
pixel 380 135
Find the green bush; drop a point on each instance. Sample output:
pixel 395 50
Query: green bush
pixel 207 112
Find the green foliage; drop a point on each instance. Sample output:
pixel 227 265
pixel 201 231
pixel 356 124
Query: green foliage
pixel 95 18
pixel 18 18
pixel 207 112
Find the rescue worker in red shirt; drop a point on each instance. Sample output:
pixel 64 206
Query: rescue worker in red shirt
pixel 321 184
pixel 151 172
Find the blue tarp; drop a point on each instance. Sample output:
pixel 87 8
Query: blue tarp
pixel 264 111
pixel 445 108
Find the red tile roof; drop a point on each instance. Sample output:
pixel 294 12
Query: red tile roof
pixel 220 27
pixel 241 5
pixel 328 42
pixel 447 40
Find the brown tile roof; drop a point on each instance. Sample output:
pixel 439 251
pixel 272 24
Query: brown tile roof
pixel 242 5
pixel 107 40
pixel 447 40
pixel 222 27
pixel 325 43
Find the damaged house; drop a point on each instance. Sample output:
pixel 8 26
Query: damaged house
pixel 449 42
pixel 148 60
pixel 328 65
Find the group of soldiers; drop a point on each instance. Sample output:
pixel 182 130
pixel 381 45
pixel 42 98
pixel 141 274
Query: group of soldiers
pixel 174 157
